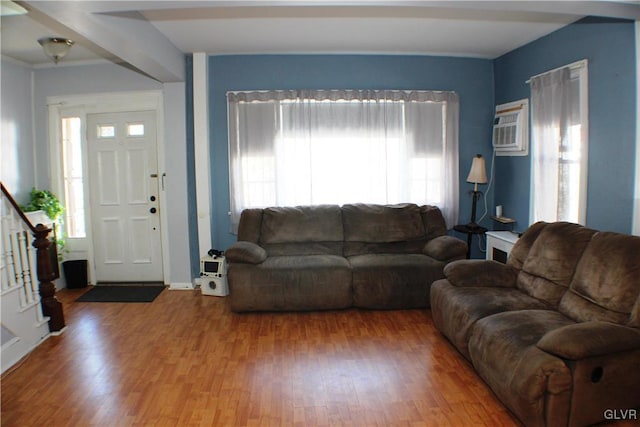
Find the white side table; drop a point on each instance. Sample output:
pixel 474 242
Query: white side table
pixel 499 244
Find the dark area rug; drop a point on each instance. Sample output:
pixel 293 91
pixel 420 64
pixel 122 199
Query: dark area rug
pixel 121 294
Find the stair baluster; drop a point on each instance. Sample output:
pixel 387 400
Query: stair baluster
pixel 7 251
pixel 25 276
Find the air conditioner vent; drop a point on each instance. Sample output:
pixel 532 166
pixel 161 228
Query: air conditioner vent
pixel 511 129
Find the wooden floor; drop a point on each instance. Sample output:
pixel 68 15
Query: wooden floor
pixel 185 359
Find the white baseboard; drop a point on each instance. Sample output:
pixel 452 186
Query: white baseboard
pixel 181 286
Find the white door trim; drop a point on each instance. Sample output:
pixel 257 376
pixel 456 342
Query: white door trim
pixel 81 106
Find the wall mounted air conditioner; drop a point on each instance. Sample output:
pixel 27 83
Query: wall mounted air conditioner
pixel 511 129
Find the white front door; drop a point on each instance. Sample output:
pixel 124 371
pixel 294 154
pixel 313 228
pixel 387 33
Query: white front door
pixel 123 186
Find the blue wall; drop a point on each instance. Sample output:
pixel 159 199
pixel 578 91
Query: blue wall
pixel 609 46
pixel 17 145
pixel 472 79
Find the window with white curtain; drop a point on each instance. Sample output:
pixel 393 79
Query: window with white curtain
pixel 559 149
pixel 71 128
pixel 312 147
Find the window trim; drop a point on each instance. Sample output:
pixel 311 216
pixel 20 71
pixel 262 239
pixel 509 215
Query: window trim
pixel 636 205
pixel 583 75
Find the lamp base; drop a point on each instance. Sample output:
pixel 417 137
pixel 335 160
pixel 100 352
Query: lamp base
pixel 475 196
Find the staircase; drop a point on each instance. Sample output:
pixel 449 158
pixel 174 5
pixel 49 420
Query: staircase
pixel 23 326
pixel 30 311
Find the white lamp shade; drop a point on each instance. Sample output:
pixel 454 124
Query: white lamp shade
pixel 478 172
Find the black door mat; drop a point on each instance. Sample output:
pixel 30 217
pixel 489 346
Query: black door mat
pixel 121 294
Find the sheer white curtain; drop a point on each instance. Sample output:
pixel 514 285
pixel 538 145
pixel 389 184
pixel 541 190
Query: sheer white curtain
pixel 291 148
pixel 559 150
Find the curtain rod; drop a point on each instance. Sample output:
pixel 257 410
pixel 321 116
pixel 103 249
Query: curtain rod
pixel 235 92
pixel 572 66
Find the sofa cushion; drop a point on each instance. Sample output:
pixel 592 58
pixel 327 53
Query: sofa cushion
pixel 456 309
pixel 250 225
pixel 590 339
pixel 246 252
pixel 445 248
pixel 378 223
pixel 282 283
pixel 388 281
pixel 322 223
pixel 434 224
pixel 532 383
pixel 521 249
pixel 304 248
pixel 364 248
pixel 606 285
pixel 480 273
pixel 552 260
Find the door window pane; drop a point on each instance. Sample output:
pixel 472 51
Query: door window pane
pixel 135 129
pixel 106 131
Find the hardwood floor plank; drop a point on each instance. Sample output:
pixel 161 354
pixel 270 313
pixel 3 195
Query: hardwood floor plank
pixel 186 360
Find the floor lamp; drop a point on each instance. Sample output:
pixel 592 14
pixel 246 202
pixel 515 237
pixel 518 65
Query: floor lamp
pixel 477 175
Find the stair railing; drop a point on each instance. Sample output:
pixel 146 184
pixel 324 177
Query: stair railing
pixel 21 268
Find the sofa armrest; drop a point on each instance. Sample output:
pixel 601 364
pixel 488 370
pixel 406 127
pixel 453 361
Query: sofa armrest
pixel 245 252
pixel 480 272
pixel 589 339
pixel 445 248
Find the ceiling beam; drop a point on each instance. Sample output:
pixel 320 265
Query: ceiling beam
pixel 605 8
pixel 131 38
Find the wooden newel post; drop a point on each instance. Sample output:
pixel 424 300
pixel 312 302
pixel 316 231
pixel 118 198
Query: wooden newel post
pixel 51 307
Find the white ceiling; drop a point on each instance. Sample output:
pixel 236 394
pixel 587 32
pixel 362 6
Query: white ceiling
pixel 396 30
pixel 152 36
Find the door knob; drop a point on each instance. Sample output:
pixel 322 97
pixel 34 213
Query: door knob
pixel 152 210
pixel 152 198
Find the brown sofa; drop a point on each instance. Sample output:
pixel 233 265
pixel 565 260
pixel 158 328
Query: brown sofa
pixel 555 332
pixel 331 257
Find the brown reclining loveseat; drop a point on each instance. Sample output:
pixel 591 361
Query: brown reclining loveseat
pixel 555 332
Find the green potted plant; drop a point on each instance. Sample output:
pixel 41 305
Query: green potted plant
pixel 44 200
pixel 47 202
